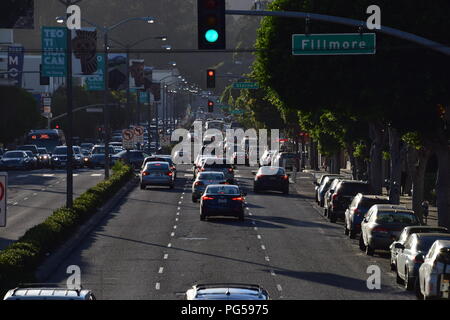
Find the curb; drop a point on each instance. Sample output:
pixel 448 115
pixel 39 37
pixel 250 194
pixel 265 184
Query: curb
pixel 51 264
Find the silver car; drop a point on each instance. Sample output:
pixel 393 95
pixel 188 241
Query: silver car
pixel 157 174
pixel 227 291
pixel 203 180
pixel 412 254
pixel 48 293
pixel 381 227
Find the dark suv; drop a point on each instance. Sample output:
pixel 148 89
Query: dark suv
pixel 357 209
pixel 343 194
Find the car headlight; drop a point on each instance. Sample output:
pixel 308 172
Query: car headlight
pixel 56 158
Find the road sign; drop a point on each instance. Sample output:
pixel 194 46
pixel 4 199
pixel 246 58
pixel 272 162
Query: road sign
pixel 54 46
pixel 245 85
pixel 334 44
pixel 138 135
pixel 3 204
pixel 128 138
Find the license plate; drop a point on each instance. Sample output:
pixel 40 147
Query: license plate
pixel 273 178
pixel 156 174
pixel 222 201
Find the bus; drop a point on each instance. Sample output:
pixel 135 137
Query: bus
pixel 46 138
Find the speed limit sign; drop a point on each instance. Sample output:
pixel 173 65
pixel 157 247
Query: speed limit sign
pixel 3 188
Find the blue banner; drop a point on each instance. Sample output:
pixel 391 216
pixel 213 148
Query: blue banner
pixel 15 64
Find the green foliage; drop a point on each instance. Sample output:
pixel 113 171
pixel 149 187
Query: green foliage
pixel 19 113
pixel 19 261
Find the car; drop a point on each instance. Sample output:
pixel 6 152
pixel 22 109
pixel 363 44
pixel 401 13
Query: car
pixel 227 291
pixel 86 146
pixel 16 159
pixel 357 209
pixel 157 174
pixel 133 157
pixel 322 184
pixel 411 256
pixel 342 196
pixel 382 226
pixel 2 151
pixel 271 178
pixel 48 293
pixel 203 180
pixel 44 157
pixel 433 281
pixel 287 160
pixel 59 157
pixel 220 165
pixel 34 160
pixel 35 153
pixel 266 158
pixel 97 157
pixel 163 158
pixel 329 194
pixel 198 163
pixel 240 158
pixel 405 234
pixel 222 200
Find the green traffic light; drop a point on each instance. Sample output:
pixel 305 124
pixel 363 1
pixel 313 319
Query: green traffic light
pixel 211 35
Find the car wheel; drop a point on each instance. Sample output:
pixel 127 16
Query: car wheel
pixel 321 203
pixel 325 212
pixel 241 217
pixel 369 250
pixel 362 246
pixel 409 282
pixel 286 190
pixel 171 186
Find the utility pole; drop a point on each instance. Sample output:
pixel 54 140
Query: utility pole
pixel 105 108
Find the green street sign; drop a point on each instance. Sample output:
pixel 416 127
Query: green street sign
pixel 245 85
pixel 96 82
pixel 334 44
pixel 54 47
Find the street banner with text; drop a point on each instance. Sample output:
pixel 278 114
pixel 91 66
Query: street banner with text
pixel 54 47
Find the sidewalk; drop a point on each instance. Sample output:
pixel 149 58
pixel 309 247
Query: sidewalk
pixel 406 201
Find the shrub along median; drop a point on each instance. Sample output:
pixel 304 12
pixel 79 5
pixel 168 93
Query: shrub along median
pixel 19 261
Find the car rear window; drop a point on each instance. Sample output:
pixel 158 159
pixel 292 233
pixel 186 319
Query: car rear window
pixel 367 203
pixel 271 171
pixel 425 243
pixel 223 190
pixel 211 176
pixel 156 166
pixel 13 154
pixel 444 256
pixel 217 165
pixel 396 217
pixel 353 188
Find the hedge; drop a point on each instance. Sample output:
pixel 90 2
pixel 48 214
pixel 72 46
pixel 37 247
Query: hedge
pixel 19 261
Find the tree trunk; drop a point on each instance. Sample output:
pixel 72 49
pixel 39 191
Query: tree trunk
pixel 314 155
pixel 417 165
pixel 442 184
pixel 395 161
pixel 353 161
pixel 375 176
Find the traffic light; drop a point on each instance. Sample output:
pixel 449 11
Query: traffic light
pixel 57 126
pixel 210 106
pixel 210 78
pixel 211 24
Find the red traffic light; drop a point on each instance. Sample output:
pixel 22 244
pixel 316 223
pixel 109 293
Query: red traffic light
pixel 210 104
pixel 57 126
pixel 211 73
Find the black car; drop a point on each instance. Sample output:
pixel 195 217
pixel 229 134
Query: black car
pixel 271 178
pixel 222 200
pixel 97 157
pixel 16 160
pixel 343 194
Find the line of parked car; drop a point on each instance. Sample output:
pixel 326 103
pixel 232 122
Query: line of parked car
pixel 419 254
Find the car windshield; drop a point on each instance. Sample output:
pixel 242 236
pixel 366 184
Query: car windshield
pixel 42 150
pixel 209 165
pixel 226 190
pixel 425 243
pixel 270 171
pixel 13 154
pixel 62 150
pixel 396 217
pixel 211 176
pixel 101 150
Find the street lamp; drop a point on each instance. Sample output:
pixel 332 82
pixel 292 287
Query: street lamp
pixel 106 31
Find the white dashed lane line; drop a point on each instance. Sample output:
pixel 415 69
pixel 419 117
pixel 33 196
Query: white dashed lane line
pixel 279 287
pixel 158 286
pixel 161 270
pixel 165 256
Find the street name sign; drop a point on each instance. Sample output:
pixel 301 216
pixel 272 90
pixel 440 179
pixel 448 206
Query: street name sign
pixel 334 44
pixel 54 47
pixel 3 204
pixel 245 85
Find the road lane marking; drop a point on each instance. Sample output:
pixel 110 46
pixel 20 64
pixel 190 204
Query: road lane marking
pixel 22 176
pixel 263 247
pixel 172 234
pixel 15 203
pixel 157 286
pixel 279 287
pixel 259 237
pixel 169 245
pixel 272 273
pixel 267 258
pixel 48 175
pixel 179 202
pixel 34 194
pixel 179 208
pixel 161 270
pixel 25 199
pixel 178 213
pixel 176 219
pixel 174 227
pixel 166 256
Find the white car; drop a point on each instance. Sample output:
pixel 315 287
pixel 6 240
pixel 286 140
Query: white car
pixel 266 158
pixel 434 273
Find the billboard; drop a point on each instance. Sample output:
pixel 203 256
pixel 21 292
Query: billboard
pixel 84 57
pixel 17 14
pixel 117 71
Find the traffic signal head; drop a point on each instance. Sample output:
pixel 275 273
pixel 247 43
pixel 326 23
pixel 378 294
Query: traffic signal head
pixel 210 106
pixel 210 78
pixel 211 24
pixel 57 126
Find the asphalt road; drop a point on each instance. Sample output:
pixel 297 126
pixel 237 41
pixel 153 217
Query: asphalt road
pixel 34 195
pixel 154 246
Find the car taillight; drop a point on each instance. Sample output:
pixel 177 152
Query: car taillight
pixel 198 183
pixel 207 198
pixel 169 173
pixel 286 177
pixel 356 212
pixel 230 169
pixel 202 169
pixel 145 173
pixel 335 196
pixel 259 176
pixel 380 230
pixel 238 199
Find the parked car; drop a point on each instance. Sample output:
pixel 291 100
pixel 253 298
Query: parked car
pixel 203 180
pixel 404 236
pixel 382 226
pixel 411 255
pixel 328 195
pixel 227 291
pixel 434 273
pixel 86 146
pixel 323 185
pixel 287 160
pixel 157 174
pixel 357 209
pixel 48 293
pixel 342 196
pixel 16 160
pixel 271 178
pixel 222 200
pixel 220 165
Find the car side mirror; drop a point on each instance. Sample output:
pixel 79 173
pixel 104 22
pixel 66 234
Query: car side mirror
pixel 399 246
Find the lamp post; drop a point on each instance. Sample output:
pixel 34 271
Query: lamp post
pixel 105 31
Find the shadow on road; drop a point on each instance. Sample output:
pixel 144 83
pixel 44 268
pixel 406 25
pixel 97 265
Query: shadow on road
pixel 292 222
